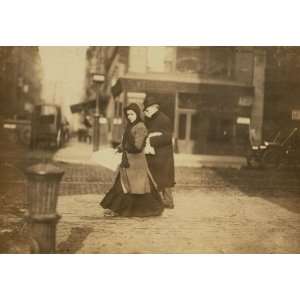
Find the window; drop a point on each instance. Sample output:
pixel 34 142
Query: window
pixel 160 59
pixel 191 59
pixel 206 61
pixel 137 59
pixel 220 130
pixel 220 62
pixel 182 126
pixel 195 126
pixel 155 59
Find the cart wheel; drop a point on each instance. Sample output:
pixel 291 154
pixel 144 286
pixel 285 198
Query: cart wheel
pixel 271 158
pixel 253 162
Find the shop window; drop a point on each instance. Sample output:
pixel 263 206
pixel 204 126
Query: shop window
pixel 226 130
pixel 195 122
pixel 242 134
pixel 220 130
pixel 182 126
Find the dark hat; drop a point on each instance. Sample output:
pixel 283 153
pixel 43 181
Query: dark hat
pixel 150 100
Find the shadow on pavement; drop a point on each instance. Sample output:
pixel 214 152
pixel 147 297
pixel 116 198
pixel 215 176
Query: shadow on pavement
pixel 281 187
pixel 74 241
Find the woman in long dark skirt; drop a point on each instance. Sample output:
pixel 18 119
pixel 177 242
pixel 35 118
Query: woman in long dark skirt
pixel 134 192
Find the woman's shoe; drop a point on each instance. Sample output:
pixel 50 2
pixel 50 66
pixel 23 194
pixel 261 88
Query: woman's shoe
pixel 109 213
pixel 169 206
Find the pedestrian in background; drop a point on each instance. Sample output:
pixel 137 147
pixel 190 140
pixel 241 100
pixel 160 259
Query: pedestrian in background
pixel 134 192
pixel 160 155
pixel 82 130
pixel 89 125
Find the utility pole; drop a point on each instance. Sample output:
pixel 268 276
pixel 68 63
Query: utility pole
pixel 98 78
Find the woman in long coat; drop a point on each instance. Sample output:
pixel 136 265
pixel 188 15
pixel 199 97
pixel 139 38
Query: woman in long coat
pixel 134 192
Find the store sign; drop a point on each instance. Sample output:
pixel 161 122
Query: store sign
pixel 243 121
pixel 10 126
pixel 296 114
pixel 102 120
pixel 98 78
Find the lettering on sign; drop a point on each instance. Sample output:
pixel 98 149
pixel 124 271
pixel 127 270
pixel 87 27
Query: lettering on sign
pixel 245 101
pixel 296 114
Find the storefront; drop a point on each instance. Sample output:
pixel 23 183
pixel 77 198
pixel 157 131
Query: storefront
pixel 207 118
pixel 212 123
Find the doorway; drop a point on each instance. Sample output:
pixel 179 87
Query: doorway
pixel 191 135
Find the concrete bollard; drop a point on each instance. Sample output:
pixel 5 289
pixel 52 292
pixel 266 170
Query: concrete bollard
pixel 42 194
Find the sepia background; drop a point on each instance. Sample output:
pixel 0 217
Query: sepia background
pixel 136 23
pixel 224 103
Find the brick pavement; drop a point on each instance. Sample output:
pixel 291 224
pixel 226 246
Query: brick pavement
pixel 217 210
pixel 203 222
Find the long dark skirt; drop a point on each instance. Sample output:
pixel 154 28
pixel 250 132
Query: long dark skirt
pixel 132 205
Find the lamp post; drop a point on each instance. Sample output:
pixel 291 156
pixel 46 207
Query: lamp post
pixel 98 79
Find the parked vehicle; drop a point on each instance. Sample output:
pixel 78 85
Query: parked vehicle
pixel 19 130
pixel 283 149
pixel 44 125
pixel 47 125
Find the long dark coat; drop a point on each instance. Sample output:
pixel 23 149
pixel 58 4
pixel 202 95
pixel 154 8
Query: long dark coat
pixel 161 164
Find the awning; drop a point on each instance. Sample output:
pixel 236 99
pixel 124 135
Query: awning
pixel 164 86
pixel 86 105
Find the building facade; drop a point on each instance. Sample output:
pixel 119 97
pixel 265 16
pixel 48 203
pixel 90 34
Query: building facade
pixel 282 90
pixel 20 79
pixel 211 94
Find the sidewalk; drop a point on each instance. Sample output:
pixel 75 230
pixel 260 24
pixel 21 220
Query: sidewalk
pixel 107 157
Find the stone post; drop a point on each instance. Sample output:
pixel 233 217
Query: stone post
pixel 42 194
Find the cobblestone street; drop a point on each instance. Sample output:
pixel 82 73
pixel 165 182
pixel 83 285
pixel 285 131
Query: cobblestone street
pixel 217 211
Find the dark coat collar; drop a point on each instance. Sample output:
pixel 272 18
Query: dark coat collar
pixel 155 115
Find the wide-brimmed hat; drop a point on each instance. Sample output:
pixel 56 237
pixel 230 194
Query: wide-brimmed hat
pixel 150 100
